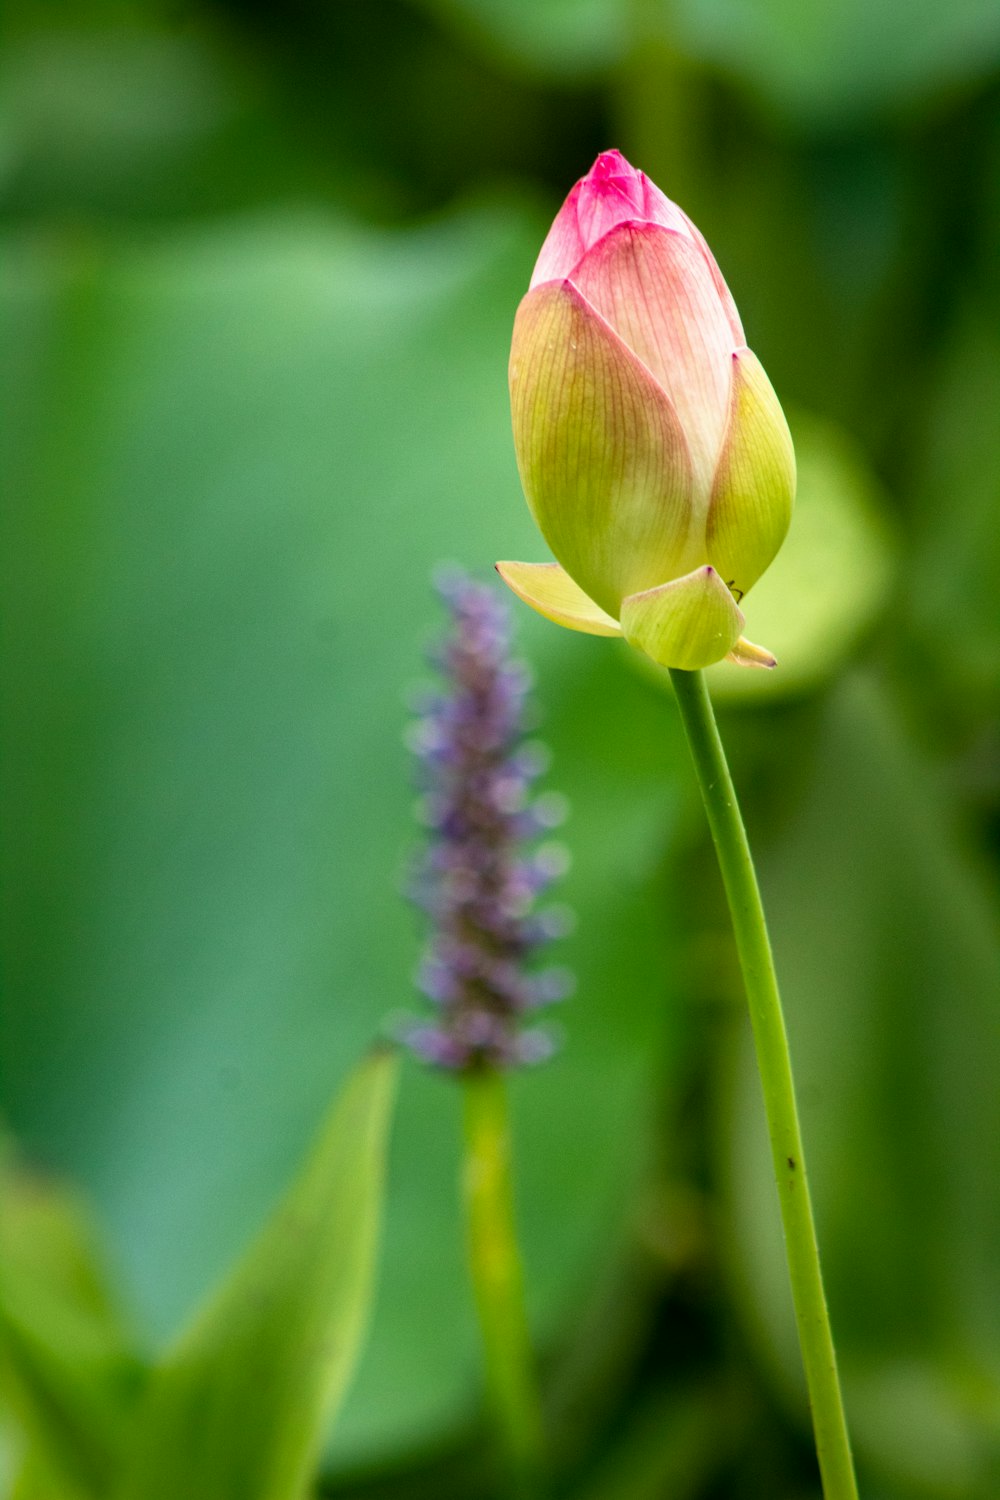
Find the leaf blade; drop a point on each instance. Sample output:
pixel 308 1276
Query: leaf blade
pixel 68 1373
pixel 239 1407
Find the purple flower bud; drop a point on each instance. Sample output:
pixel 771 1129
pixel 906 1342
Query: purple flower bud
pixel 479 873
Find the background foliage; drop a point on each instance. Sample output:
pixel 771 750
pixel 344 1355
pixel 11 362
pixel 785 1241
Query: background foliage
pixel 258 269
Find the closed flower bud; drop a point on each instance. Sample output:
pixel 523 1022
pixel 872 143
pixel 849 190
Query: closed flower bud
pixel 653 451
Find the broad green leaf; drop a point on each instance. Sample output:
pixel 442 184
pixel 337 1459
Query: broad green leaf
pixel 824 62
pixel 227 441
pixel 951 603
pixel 34 1480
pixel 554 36
pixel 673 1444
pixel 887 944
pixel 67 1373
pixel 816 63
pixel 121 114
pixel 238 1409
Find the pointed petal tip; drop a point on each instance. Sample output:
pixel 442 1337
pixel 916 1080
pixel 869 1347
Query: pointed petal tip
pixel 690 622
pixel 611 159
pixel 747 654
pixel 551 592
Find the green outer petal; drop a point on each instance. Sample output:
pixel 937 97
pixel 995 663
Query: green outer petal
pixel 550 590
pixel 688 623
pixel 754 486
pixel 602 457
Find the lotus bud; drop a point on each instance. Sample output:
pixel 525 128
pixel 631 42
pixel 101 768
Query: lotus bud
pixel 653 452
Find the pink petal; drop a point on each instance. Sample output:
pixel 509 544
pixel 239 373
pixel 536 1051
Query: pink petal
pixel 563 246
pixel 725 296
pixel 612 193
pixel 659 209
pixel 654 287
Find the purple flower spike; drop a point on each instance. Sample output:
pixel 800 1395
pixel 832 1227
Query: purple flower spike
pixel 475 879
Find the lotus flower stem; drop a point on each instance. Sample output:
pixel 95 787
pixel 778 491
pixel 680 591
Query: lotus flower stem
pixel 774 1062
pixel 498 1281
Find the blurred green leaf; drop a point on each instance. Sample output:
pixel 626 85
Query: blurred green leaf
pixel 36 1480
pixel 818 64
pixel 955 581
pixel 239 450
pixel 888 952
pixel 832 576
pixel 32 1483
pixel 123 115
pixel 239 1407
pixel 824 63
pixel 554 36
pixel 674 1444
pixel 67 1371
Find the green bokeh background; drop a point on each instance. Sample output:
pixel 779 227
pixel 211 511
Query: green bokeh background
pixel 258 267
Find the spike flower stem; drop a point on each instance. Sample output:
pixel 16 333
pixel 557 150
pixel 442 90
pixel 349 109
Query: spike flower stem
pixel 498 1281
pixel 479 879
pixel 774 1063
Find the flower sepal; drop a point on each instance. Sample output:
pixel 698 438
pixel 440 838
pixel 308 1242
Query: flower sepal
pixel 689 623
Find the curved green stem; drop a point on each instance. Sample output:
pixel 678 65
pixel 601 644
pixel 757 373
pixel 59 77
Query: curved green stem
pixel 497 1279
pixel 773 1060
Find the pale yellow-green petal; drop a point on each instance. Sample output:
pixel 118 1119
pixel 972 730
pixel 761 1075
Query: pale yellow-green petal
pixel 754 485
pixel 690 622
pixel 603 461
pixel 550 590
pixel 746 654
